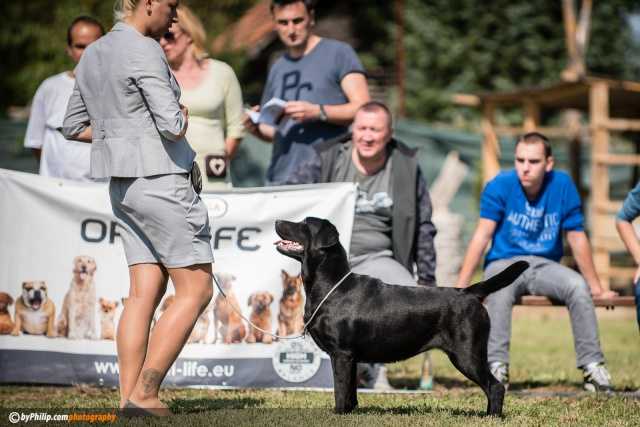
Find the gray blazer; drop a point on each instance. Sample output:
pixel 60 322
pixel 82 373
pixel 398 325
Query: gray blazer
pixel 125 90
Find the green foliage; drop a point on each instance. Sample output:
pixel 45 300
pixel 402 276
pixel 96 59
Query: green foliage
pixel 451 45
pixel 470 46
pixel 33 37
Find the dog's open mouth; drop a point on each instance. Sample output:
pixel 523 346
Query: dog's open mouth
pixel 35 303
pixel 289 246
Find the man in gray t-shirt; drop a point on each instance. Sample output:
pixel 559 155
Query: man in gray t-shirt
pixel 374 203
pixel 392 229
pixel 322 82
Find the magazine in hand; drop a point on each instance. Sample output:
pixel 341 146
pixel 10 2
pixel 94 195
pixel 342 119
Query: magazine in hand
pixel 269 113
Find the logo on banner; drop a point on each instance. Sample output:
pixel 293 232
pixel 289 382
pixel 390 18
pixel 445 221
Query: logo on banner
pixel 296 360
pixel 217 207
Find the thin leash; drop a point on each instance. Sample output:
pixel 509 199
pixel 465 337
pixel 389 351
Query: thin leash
pixel 304 328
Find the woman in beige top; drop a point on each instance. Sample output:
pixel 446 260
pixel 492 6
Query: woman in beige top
pixel 211 91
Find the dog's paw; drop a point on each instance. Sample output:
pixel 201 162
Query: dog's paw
pixel 344 409
pixel 15 332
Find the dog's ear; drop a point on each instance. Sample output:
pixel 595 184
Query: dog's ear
pixel 116 303
pixel 270 297
pixel 101 300
pixel 250 301
pixel 284 275
pixel 10 299
pixel 327 235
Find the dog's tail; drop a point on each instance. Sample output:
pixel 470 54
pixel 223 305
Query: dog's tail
pixel 499 281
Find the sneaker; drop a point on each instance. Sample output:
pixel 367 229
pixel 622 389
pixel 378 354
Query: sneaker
pixel 381 382
pixel 597 378
pixel 365 374
pixel 501 372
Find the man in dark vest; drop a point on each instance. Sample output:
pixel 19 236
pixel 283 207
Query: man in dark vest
pixel 393 235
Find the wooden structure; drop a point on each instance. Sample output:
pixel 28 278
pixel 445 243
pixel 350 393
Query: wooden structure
pixel 611 106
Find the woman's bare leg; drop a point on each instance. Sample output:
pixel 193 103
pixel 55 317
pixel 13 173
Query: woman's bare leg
pixel 148 285
pixel 194 291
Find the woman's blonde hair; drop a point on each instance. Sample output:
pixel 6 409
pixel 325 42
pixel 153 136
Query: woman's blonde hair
pixel 192 26
pixel 123 9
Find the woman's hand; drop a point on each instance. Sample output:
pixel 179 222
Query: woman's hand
pixel 252 127
pixel 185 112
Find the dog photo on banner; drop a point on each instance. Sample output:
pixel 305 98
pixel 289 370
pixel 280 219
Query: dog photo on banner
pixel 60 300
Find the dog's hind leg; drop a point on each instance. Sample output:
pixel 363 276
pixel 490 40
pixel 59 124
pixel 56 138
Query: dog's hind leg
pixel 471 360
pixel 496 396
pixel 344 383
pixel 476 370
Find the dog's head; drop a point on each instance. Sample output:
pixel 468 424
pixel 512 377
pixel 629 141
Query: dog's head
pixel 291 285
pixel 313 236
pixel 107 306
pixel 225 280
pixel 34 294
pixel 260 301
pixel 5 302
pixel 83 268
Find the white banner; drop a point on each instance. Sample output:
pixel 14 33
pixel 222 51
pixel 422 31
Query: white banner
pixel 50 228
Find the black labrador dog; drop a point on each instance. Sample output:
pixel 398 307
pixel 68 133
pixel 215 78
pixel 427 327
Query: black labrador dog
pixel 366 320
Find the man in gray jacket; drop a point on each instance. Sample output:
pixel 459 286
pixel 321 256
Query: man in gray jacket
pixel 392 228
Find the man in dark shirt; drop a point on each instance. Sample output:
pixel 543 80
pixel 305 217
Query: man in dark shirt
pixel 392 228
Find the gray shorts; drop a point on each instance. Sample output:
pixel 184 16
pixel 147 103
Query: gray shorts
pixel 163 220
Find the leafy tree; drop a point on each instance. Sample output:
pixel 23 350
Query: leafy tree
pixel 470 46
pixel 33 37
pixel 451 45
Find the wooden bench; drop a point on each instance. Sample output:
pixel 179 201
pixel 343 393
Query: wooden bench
pixel 598 302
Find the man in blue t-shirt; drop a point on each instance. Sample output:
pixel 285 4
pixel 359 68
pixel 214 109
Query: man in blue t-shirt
pixel 630 211
pixel 322 82
pixel 524 213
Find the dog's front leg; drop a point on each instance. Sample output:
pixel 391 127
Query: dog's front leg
pixel 51 329
pixel 215 328
pixel 282 328
pixel 18 325
pixel 252 336
pixel 344 383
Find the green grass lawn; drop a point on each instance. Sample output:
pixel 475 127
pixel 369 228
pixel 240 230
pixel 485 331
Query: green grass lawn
pixel 545 388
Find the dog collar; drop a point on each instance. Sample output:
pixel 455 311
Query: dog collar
pixel 306 325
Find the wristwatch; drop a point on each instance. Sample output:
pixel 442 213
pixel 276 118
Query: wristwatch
pixel 323 114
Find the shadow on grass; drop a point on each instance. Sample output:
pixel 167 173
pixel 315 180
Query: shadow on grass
pixel 417 410
pixel 188 406
pixel 456 383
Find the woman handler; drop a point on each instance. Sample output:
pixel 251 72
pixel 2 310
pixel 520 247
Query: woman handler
pixel 126 103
